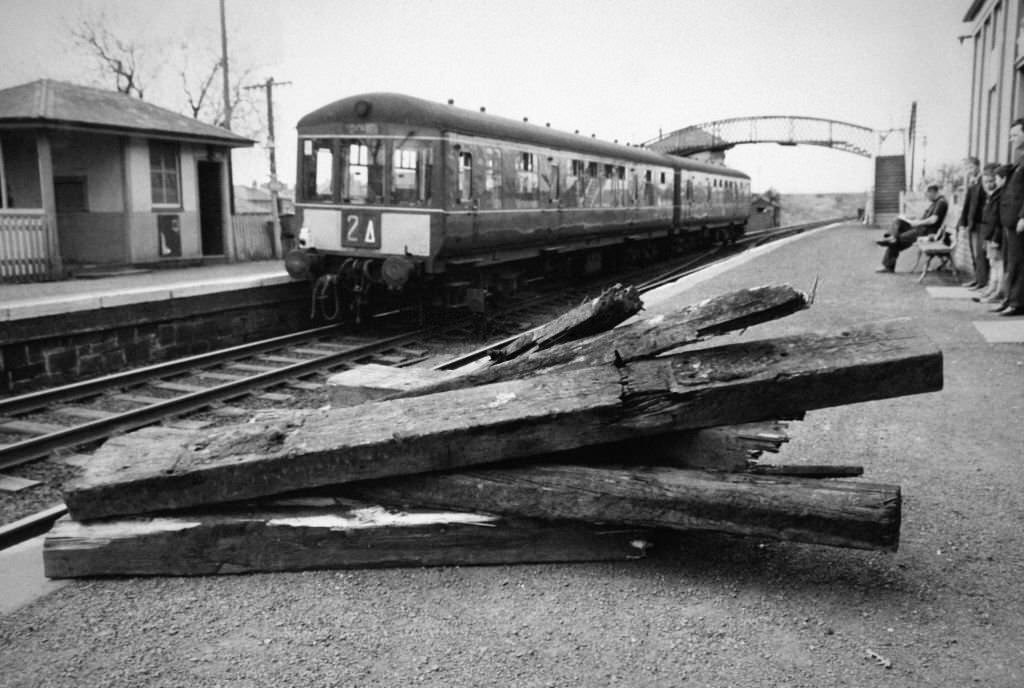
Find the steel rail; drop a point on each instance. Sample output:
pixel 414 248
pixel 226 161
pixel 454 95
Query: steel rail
pixel 33 401
pixel 37 447
pixel 30 526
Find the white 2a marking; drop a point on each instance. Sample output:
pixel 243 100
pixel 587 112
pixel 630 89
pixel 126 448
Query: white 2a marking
pixel 353 228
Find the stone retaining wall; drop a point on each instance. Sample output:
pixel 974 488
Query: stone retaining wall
pixel 38 352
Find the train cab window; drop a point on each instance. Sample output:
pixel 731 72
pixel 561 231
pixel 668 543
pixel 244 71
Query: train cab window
pixel 317 171
pixel 464 181
pixel 412 168
pixel 364 171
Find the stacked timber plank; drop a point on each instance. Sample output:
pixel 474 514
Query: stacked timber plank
pixel 579 441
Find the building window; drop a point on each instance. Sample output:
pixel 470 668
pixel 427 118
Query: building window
pixel 164 173
pixel 70 195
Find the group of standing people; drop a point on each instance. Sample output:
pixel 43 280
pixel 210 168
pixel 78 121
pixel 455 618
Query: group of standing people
pixel 992 221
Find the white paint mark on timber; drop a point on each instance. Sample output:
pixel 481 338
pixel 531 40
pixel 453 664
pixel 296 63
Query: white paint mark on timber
pixel 378 517
pixel 501 399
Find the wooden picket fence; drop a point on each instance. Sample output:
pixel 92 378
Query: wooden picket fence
pixel 253 239
pixel 23 253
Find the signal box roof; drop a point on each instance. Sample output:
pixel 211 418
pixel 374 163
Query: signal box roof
pixel 48 103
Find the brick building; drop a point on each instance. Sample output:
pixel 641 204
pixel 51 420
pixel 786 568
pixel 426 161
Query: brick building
pixel 997 79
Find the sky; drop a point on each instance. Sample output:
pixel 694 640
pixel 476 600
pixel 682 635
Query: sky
pixel 622 70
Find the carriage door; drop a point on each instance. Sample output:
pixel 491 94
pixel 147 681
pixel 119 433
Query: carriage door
pixel 464 192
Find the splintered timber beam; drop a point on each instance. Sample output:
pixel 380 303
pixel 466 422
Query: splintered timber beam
pixel 323 535
pixel 738 383
pixel 836 513
pixel 643 339
pixel 613 306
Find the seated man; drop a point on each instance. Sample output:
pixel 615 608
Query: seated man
pixel 906 231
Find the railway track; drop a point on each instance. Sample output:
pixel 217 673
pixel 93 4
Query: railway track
pixel 211 381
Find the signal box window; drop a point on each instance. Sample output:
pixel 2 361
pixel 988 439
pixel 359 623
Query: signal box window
pixel 412 167
pixel 464 182
pixel 318 171
pixel 164 174
pixel 364 171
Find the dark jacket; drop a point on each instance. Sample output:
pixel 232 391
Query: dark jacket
pixel 974 204
pixel 1011 205
pixel 939 207
pixel 989 227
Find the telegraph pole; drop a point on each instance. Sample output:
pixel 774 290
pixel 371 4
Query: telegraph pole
pixel 224 66
pixel 274 186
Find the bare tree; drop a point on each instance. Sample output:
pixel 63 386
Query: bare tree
pixel 198 93
pixel 948 175
pixel 122 59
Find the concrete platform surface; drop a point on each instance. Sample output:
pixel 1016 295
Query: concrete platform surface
pixel 32 300
pixel 943 611
pixel 1002 331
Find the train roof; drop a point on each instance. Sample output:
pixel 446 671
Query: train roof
pixel 394 108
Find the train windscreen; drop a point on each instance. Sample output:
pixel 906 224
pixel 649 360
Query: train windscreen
pixel 374 171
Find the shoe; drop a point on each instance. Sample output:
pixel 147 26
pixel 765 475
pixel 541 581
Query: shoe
pixel 977 287
pixel 976 299
pixel 885 269
pixel 970 285
pixel 999 307
pixel 885 242
pixel 992 299
pixel 1009 312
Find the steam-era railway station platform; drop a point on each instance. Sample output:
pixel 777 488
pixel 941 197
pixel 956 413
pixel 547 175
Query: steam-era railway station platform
pixel 55 332
pixel 943 610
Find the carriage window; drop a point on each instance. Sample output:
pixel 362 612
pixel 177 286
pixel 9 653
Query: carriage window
pixel 364 171
pixel 572 179
pixel 526 174
pixel 662 177
pixel 317 171
pixel 550 181
pixel 412 167
pixel 491 195
pixel 465 179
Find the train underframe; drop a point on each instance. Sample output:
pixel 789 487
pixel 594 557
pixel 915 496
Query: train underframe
pixel 353 289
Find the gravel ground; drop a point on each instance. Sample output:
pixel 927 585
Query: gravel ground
pixel 713 611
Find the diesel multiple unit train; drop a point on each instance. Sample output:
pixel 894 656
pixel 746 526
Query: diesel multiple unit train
pixel 402 198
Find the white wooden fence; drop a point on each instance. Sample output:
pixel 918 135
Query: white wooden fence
pixel 254 240
pixel 23 253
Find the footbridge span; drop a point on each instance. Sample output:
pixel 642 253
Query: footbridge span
pixel 791 130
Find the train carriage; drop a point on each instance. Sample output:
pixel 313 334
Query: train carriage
pixel 399 194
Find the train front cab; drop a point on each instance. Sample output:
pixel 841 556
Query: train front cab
pixel 370 221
